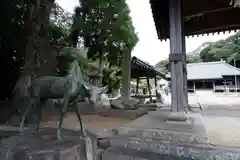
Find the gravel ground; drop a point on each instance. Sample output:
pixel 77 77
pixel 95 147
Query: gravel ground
pixel 221 116
pixel 93 123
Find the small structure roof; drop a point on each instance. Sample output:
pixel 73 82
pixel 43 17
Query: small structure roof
pixel 210 70
pixel 140 68
pixel 200 16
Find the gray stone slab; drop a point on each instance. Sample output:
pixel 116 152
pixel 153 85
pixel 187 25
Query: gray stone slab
pixel 152 137
pixel 154 126
pixel 157 146
pixel 201 152
pixel 168 135
pixel 118 153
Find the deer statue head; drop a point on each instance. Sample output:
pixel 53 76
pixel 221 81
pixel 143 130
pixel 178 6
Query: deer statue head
pixel 95 93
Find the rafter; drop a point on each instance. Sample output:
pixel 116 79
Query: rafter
pixel 200 16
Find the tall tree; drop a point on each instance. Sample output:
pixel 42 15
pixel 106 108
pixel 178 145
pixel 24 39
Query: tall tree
pixel 38 58
pixel 106 29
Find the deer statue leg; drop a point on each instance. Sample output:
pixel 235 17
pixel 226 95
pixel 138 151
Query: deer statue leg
pixel 80 120
pixel 39 109
pixel 63 111
pixel 25 114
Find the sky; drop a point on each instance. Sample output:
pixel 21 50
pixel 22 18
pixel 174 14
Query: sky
pixel 150 48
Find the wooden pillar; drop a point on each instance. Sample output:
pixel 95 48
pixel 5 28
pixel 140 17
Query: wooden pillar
pixel 126 75
pixel 185 81
pixel 137 87
pixel 194 87
pixel 149 89
pixel 225 86
pixel 177 57
pixel 155 82
pixel 213 86
pixel 237 83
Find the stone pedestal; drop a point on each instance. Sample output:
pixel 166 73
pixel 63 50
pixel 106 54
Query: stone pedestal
pixel 44 145
pixel 163 135
pixel 176 128
pixel 162 132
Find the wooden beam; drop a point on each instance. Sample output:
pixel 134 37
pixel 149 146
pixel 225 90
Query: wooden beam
pixel 199 6
pixel 210 20
pixel 214 11
pixel 213 22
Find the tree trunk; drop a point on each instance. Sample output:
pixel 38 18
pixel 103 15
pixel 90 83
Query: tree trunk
pixel 101 67
pixel 40 60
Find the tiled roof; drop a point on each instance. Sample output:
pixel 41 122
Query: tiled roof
pixel 146 65
pixel 210 70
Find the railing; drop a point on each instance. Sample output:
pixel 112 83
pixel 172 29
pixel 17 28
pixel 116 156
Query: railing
pixel 226 88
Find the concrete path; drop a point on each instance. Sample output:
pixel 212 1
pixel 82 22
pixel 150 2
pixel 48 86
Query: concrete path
pixel 221 117
pixel 223 131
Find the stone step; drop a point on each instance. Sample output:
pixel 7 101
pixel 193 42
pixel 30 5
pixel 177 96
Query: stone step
pixel 157 146
pixel 170 152
pixel 161 134
pixel 117 153
pixel 154 126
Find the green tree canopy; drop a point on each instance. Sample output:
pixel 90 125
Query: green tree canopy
pixel 105 28
pixel 227 49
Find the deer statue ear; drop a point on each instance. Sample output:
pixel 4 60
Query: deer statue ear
pixel 104 89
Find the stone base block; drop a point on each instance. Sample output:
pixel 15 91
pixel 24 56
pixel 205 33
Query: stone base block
pixel 153 136
pixel 44 145
pixel 176 116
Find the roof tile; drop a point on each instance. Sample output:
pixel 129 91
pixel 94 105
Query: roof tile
pixel 210 70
